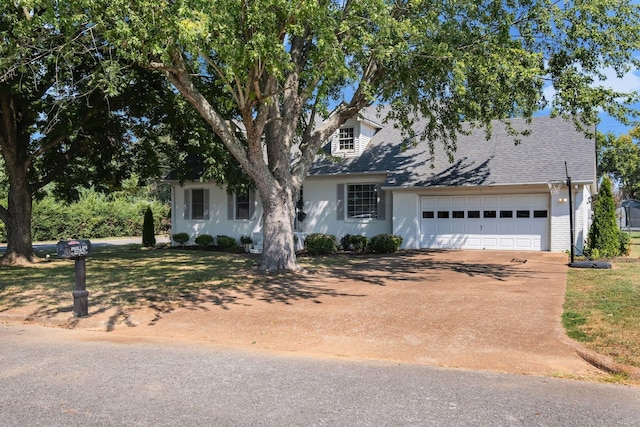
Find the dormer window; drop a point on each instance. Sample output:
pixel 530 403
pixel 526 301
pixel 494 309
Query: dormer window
pixel 346 140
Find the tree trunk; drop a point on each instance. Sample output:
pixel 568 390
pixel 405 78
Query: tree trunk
pixel 17 216
pixel 278 252
pixel 17 219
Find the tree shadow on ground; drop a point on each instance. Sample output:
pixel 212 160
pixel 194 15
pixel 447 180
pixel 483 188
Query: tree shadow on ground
pixel 165 282
pixel 423 265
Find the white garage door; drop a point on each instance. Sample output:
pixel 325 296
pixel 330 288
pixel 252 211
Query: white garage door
pixel 485 222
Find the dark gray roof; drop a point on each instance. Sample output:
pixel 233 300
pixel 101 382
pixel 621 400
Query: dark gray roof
pixel 538 158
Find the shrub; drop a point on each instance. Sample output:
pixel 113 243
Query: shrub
pixel 227 244
pixel 180 238
pixel 204 240
pixel 604 231
pixel 94 216
pixel 345 242
pixel 360 244
pixel 385 243
pixel 148 229
pixel 245 240
pixel 625 243
pixel 320 244
pixel 355 243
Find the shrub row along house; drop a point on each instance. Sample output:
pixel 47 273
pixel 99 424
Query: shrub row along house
pixel 495 194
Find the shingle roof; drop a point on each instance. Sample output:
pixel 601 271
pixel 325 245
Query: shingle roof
pixel 538 158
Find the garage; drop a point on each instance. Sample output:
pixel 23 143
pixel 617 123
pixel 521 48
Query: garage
pixel 504 222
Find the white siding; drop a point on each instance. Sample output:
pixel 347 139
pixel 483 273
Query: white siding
pixel 218 222
pixel 320 205
pixel 406 223
pixel 560 236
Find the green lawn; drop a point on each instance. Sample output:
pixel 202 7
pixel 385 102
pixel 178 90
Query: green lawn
pixel 602 308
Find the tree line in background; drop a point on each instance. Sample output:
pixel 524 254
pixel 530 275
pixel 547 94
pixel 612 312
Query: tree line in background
pixel 619 158
pixel 97 215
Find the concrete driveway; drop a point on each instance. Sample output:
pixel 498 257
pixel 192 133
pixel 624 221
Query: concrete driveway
pixel 487 310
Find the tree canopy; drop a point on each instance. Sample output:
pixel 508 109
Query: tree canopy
pixel 283 63
pixel 71 111
pixel 619 157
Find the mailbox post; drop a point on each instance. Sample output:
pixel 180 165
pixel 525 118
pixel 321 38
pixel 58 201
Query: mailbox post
pixel 77 250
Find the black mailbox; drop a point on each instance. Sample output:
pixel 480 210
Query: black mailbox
pixel 73 249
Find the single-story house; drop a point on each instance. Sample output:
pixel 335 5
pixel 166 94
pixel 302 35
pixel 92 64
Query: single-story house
pixel 496 194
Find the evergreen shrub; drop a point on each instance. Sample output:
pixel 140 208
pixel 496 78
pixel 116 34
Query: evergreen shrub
pixel 625 243
pixel 354 242
pixel 204 240
pixel 180 238
pixel 148 229
pixel 385 243
pixel 604 231
pixel 320 244
pixel 227 243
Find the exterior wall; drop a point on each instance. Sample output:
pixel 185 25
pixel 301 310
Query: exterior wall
pixel 560 236
pixel 583 217
pixel 218 222
pixel 406 218
pixel 560 229
pixel 402 212
pixel 321 207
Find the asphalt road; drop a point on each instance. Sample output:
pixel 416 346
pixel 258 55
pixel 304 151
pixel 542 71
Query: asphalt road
pixel 58 377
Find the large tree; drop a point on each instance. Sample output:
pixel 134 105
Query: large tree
pixel 283 62
pixel 619 156
pixel 68 110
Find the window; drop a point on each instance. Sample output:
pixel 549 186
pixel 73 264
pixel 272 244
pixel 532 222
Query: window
pixel 362 201
pixel 345 140
pixel 540 214
pixel 522 214
pixel 196 203
pixel 506 214
pixel 242 205
pixel 427 214
pixel 443 214
pixel 473 214
pixel 489 214
pixel 457 214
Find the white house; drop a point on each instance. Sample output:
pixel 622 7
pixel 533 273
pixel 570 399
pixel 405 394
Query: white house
pixel 494 195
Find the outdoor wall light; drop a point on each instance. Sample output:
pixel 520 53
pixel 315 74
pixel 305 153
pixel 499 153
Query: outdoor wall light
pixel 562 200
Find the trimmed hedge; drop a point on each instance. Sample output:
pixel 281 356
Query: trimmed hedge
pixel 320 244
pixel 204 240
pixel 355 243
pixel 227 243
pixel 180 238
pixel 385 243
pixel 94 216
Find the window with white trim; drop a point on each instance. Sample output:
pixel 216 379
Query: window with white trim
pixel 346 141
pixel 362 201
pixel 242 205
pixel 196 203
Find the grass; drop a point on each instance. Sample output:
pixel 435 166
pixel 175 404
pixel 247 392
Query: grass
pixel 126 276
pixel 602 307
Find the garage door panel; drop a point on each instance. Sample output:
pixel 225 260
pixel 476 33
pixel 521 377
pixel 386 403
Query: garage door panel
pixel 485 222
